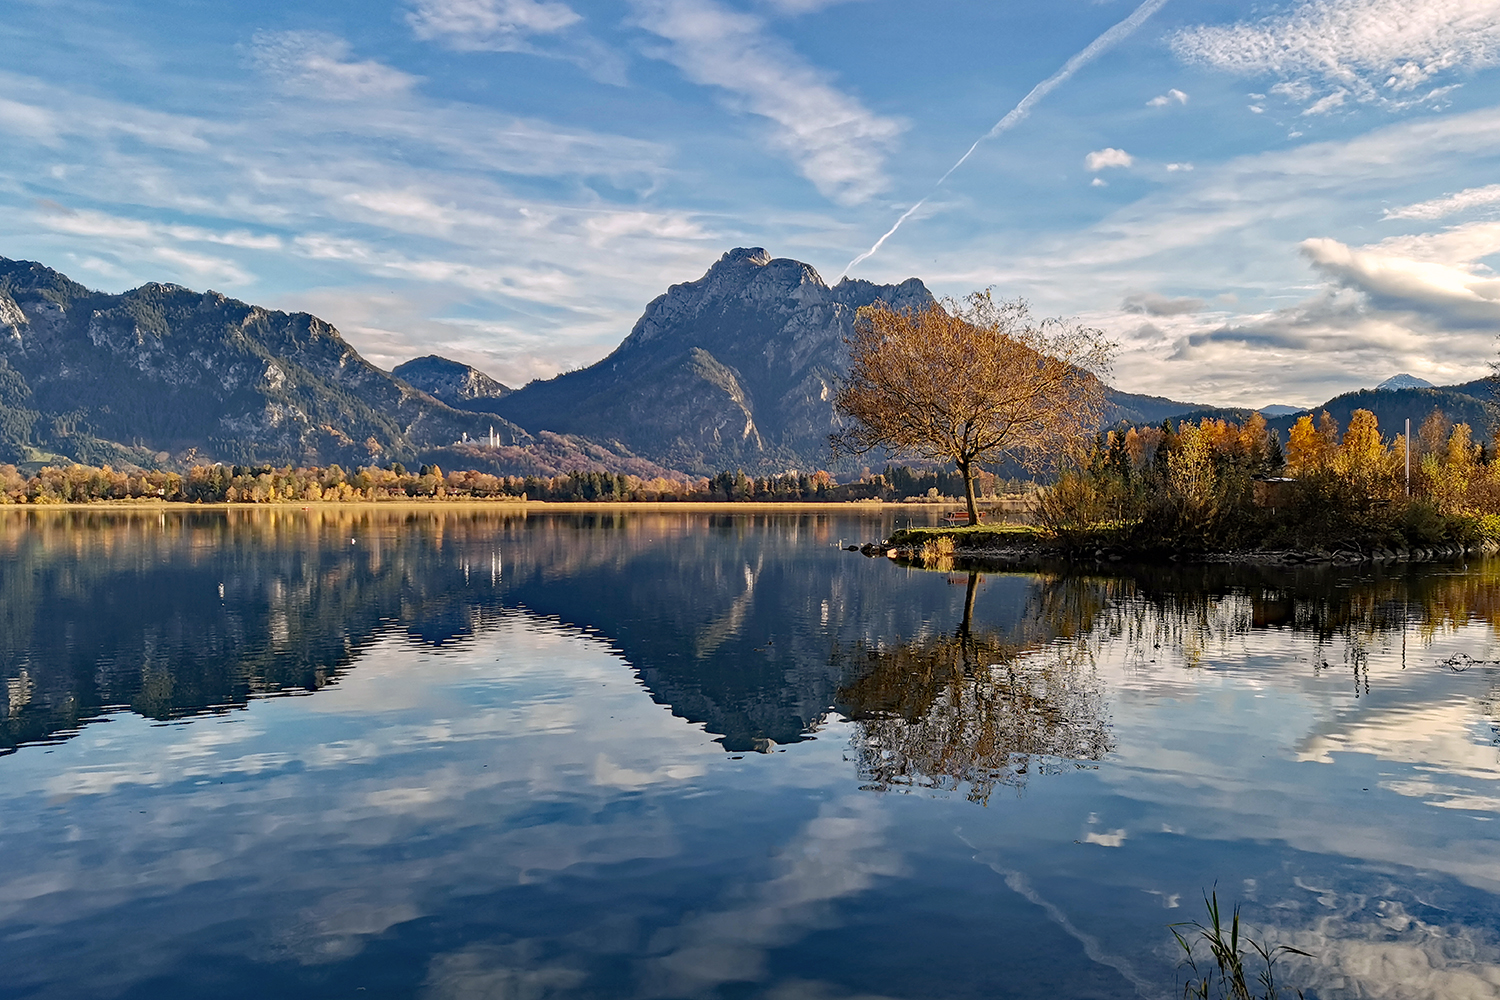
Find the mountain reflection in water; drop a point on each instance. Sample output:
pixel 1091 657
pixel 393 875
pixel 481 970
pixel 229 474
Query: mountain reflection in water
pixel 726 619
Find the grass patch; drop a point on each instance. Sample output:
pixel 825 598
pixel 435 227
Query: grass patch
pixel 968 536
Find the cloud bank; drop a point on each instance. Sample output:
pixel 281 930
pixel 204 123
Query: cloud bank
pixel 1370 50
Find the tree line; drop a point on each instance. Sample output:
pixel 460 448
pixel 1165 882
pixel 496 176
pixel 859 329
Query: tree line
pixel 285 484
pixel 1218 484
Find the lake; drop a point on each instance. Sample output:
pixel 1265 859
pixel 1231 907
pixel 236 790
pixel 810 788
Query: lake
pixel 493 753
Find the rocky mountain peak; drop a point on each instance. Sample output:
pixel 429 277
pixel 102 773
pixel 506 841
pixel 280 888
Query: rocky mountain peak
pixel 453 382
pixel 1403 381
pixel 735 368
pixel 744 255
pixel 746 281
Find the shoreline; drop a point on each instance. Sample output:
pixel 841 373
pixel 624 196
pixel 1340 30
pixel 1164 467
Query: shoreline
pixel 1045 553
pixel 1032 553
pixel 498 503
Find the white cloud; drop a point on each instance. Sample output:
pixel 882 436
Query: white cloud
pixel 1296 91
pixel 1103 159
pixel 1155 304
pixel 836 142
pixel 27 120
pixel 1162 100
pixel 50 117
pixel 1099 182
pixel 545 28
pixel 1407 303
pixel 1372 48
pixel 1173 168
pixel 469 25
pixel 1327 103
pixel 311 62
pixel 1435 277
pixel 840 854
pixel 803 6
pixel 435 209
pixel 1437 208
pixel 1110 838
pixel 160 242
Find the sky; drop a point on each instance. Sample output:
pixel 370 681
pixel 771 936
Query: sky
pixel 1258 203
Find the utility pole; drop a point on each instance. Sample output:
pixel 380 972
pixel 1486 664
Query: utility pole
pixel 1408 466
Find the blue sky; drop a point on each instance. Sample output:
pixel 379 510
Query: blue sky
pixel 1261 204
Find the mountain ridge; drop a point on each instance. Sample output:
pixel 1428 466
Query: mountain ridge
pixel 160 376
pixel 736 369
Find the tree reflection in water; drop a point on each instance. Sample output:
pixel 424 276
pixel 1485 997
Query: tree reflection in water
pixel 977 709
pixel 1195 611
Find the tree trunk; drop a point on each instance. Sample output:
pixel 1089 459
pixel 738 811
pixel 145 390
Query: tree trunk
pixel 965 629
pixel 967 471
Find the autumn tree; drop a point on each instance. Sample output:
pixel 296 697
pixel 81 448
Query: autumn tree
pixel 1433 435
pixel 1310 449
pixel 1363 460
pixel 969 382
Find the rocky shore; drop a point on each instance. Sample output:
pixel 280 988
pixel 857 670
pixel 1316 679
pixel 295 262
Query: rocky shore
pixel 1039 551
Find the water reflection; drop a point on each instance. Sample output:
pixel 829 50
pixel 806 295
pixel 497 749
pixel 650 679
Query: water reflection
pixel 975 708
pixel 754 626
pixel 174 614
pixel 509 777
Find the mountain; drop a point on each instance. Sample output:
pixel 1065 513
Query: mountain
pixel 737 369
pixel 1134 408
pixel 162 372
pixel 734 370
pixel 453 382
pixel 1404 381
pixel 1471 403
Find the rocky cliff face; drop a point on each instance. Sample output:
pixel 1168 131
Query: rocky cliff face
pixel 147 375
pixel 736 369
pixel 454 383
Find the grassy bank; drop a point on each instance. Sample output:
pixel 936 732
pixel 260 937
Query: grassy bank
pixel 975 536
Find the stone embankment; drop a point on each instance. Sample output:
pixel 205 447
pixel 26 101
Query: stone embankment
pixel 1353 554
pixel 1051 552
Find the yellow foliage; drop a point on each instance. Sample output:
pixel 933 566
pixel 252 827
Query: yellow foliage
pixel 1363 460
pixel 1190 469
pixel 1306 452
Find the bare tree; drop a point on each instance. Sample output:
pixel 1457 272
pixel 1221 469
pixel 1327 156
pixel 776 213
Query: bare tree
pixel 971 382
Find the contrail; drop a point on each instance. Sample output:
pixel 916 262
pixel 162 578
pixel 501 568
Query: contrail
pixel 1020 111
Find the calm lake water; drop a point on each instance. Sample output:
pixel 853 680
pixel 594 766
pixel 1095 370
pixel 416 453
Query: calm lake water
pixel 477 754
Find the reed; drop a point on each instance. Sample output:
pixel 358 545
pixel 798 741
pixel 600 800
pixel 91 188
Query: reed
pixel 936 551
pixel 1229 949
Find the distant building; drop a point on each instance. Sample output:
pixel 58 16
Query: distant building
pixel 1275 492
